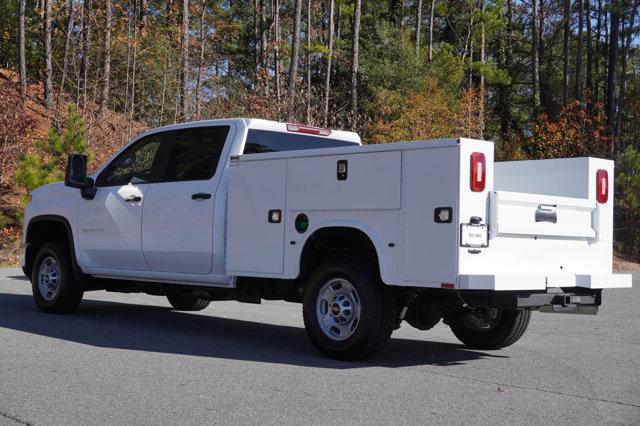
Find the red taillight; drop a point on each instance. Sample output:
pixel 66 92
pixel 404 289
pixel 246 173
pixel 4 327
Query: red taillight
pixel 602 186
pixel 478 171
pixel 309 130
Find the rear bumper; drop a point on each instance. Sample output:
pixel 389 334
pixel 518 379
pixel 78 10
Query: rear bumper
pixel 511 282
pixel 576 300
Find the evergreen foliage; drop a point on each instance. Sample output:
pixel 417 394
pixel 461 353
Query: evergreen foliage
pixel 46 163
pixel 628 202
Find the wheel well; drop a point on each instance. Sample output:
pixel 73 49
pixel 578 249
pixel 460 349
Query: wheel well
pixel 333 241
pixel 40 232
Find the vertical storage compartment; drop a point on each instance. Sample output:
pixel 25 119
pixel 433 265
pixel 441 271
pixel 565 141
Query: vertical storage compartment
pixel 255 241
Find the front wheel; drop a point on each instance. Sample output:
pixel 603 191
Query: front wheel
pixel 348 312
pixel 490 328
pixel 55 290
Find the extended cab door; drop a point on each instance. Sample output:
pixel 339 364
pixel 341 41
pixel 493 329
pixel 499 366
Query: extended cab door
pixel 109 226
pixel 177 220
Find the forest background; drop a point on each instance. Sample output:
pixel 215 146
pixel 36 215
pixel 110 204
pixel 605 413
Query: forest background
pixel 540 78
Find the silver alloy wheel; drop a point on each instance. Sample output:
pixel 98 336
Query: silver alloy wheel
pixel 49 277
pixel 483 319
pixel 338 309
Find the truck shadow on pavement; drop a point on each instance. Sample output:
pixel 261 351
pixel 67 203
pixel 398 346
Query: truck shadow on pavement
pixel 157 329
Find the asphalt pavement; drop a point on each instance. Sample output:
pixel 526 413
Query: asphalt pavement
pixel 127 358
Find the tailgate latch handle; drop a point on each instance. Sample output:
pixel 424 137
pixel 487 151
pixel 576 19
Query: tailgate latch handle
pixel 475 220
pixel 546 214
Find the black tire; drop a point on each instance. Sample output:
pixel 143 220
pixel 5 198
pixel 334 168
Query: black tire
pixel 376 307
pixel 65 296
pixel 504 331
pixel 187 303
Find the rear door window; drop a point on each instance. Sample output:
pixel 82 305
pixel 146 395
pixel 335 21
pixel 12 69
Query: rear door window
pixel 260 141
pixel 196 153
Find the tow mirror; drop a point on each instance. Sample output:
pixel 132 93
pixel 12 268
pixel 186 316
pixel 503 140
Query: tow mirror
pixel 76 173
pixel 76 176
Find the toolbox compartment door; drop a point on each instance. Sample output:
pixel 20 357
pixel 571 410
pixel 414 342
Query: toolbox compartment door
pixel 255 241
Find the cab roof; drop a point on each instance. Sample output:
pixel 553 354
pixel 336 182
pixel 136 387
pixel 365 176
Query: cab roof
pixel 260 124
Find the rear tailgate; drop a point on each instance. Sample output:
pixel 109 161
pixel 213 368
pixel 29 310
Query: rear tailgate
pixel 545 228
pixel 519 214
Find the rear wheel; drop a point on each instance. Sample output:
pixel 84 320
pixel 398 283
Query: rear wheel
pixel 54 287
pixel 490 328
pixel 348 312
pixel 187 303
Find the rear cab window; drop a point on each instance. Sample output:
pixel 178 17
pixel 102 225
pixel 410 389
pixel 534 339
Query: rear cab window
pixel 261 141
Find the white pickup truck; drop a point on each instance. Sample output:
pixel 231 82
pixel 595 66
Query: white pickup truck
pixel 363 236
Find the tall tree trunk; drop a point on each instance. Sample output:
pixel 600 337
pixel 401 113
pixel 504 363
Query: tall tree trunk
pixel 264 51
pixel 164 89
pixel 339 22
pixel 295 48
pixel 589 48
pixel 184 62
pixel 355 57
pixel 605 47
pixel 468 43
pixel 143 15
pixel 578 88
pixel 256 44
pixel 128 67
pixel 86 46
pixel 106 68
pixel 168 12
pixel 327 81
pixel 23 61
pixel 48 85
pixel 482 60
pixel 418 24
pixel 134 65
pixel 200 62
pixel 542 82
pixel 67 45
pixel 596 89
pixel 504 62
pixel 611 77
pixel 623 72
pixel 431 15
pixel 276 50
pixel 308 64
pixel 565 51
pixel 536 55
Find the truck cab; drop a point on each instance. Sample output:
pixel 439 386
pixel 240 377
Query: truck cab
pixel 363 237
pixel 160 203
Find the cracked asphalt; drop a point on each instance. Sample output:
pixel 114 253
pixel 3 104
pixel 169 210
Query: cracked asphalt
pixel 129 359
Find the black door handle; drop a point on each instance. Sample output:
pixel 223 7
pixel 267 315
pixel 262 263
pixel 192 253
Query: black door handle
pixel 133 199
pixel 200 196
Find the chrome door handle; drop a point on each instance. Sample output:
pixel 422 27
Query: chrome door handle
pixel 133 199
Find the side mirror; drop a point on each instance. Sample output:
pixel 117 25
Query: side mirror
pixel 76 173
pixel 76 176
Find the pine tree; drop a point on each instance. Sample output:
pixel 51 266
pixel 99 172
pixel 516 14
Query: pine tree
pixel 47 161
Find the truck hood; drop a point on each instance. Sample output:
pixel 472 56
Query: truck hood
pixel 48 191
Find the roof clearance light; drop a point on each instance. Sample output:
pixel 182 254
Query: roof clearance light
pixel 478 171
pixel 309 130
pixel 602 186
